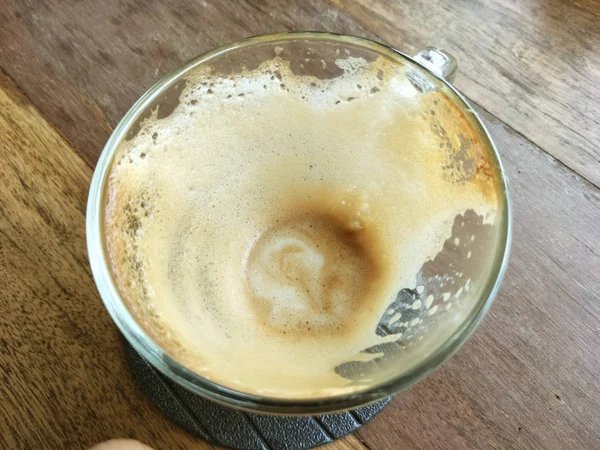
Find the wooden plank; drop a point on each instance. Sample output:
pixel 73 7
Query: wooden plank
pixel 530 376
pixel 83 64
pixel 63 380
pixel 534 65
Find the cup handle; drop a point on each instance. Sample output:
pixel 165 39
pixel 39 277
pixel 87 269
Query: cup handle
pixel 440 62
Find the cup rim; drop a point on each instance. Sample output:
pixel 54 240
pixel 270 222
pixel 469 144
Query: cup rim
pixel 158 358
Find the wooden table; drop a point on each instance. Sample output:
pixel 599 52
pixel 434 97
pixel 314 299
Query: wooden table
pixel 529 377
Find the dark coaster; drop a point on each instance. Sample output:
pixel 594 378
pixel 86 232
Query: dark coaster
pixel 236 429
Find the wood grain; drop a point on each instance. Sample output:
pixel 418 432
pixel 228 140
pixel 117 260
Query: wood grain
pixel 64 383
pixel 83 64
pixel 535 65
pixel 530 376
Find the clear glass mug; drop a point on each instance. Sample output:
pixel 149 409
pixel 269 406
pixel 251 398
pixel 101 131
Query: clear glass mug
pixel 427 322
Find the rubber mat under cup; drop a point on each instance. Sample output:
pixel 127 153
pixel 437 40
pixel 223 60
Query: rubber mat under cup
pixel 236 429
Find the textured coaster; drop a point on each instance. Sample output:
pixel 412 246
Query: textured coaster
pixel 236 429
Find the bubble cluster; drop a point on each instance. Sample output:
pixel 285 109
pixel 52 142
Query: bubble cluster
pixel 260 231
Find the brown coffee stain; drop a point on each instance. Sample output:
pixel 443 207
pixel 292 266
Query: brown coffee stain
pixel 466 156
pixel 337 230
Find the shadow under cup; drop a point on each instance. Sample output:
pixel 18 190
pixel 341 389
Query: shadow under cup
pixel 429 318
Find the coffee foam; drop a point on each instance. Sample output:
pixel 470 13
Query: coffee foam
pixel 259 232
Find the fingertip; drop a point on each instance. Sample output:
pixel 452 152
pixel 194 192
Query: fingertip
pixel 121 444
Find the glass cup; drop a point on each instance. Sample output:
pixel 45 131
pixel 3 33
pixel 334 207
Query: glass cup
pixel 428 321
